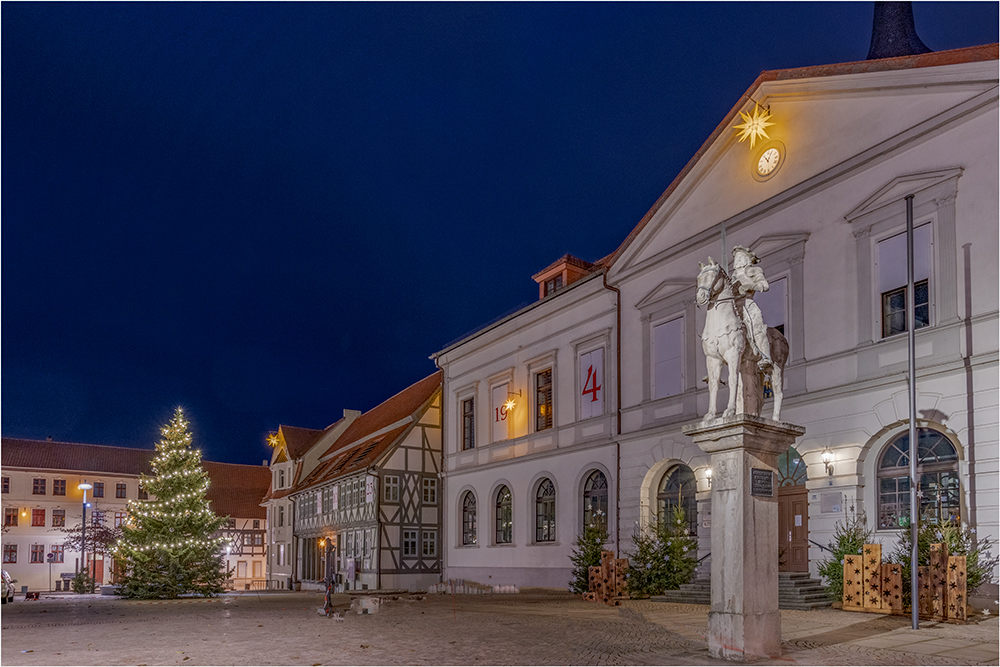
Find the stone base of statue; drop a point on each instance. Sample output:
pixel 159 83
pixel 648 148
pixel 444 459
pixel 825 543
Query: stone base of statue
pixel 744 622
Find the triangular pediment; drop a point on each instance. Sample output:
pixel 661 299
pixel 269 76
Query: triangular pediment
pixel 668 288
pixel 902 186
pixel 767 245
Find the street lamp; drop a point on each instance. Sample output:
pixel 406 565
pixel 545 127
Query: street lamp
pixel 83 530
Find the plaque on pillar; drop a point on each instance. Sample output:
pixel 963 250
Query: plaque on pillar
pixel 744 622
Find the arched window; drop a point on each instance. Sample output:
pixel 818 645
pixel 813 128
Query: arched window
pixel 469 518
pixel 504 516
pixel 545 512
pixel 937 470
pixel 595 500
pixel 678 488
pixel 791 468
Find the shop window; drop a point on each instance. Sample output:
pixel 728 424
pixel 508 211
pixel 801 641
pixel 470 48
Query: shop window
pixel 543 400
pixel 939 492
pixel 892 280
pixel 10 516
pixel 37 553
pixel 391 493
pixel 668 350
pixel 595 500
pixel 430 491
pixel 58 518
pixel 678 489
pixel 545 512
pixel 38 486
pixel 57 553
pixel 38 517
pixel 121 491
pixel 468 423
pixel 469 518
pixel 98 489
pixel 504 516
pixel 10 553
pixel 58 487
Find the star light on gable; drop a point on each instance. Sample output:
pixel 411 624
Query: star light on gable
pixel 272 439
pixel 753 125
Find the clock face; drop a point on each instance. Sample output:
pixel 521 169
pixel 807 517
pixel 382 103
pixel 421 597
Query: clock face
pixel 768 161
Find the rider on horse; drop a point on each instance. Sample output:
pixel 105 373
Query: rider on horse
pixel 748 279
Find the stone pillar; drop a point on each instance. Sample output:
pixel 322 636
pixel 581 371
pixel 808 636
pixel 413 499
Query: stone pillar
pixel 744 622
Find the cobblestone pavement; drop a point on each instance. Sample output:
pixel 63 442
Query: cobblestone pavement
pixel 543 629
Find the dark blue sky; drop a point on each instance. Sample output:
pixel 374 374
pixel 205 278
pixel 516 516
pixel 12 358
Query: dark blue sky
pixel 267 213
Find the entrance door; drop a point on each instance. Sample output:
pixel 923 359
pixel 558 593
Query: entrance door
pixel 97 569
pixel 793 529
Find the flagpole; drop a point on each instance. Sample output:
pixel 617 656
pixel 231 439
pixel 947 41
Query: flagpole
pixel 911 349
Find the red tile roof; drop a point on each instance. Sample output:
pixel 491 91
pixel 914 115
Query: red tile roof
pixel 235 487
pixel 572 260
pixel 934 59
pixel 237 490
pixel 300 440
pixel 356 458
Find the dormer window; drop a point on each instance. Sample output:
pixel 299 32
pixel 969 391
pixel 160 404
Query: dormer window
pixel 552 284
pixel 564 271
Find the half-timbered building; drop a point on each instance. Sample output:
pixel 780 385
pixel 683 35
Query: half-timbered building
pixel 369 515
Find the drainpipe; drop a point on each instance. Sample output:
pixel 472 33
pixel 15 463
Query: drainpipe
pixel 618 409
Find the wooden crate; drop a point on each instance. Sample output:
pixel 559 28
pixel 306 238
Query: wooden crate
pixel 938 570
pixel 853 590
pixel 892 588
pixel 871 577
pixel 956 589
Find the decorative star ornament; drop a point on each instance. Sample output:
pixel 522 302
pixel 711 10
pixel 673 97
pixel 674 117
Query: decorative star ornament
pixel 753 126
pixel 272 439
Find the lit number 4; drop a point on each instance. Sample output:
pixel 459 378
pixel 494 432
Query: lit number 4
pixel 592 383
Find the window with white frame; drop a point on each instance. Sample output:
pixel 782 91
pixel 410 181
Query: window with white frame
pixel 504 516
pixel 545 512
pixel 410 542
pixel 428 543
pixel 592 383
pixel 391 492
pixel 939 491
pixel 668 354
pixel 430 491
pixel 892 280
pixel 469 518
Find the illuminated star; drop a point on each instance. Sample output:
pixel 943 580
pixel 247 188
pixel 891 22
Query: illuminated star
pixel 753 126
pixel 272 439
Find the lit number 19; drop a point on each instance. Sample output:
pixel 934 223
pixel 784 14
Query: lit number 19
pixel 594 387
pixel 501 413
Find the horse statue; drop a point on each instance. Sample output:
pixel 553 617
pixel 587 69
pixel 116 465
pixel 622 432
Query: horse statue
pixel 724 341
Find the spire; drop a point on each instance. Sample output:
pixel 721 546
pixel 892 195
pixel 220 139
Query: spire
pixel 893 32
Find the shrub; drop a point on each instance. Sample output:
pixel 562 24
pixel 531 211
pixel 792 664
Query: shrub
pixel 849 537
pixel 589 545
pixel 663 558
pixel 83 582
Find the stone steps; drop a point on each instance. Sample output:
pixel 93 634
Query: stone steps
pixel 795 591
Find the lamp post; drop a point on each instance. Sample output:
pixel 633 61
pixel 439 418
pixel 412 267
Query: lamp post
pixel 83 529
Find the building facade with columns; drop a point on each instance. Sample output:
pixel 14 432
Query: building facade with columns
pixel 820 198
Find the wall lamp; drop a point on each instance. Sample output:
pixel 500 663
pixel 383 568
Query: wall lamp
pixel 509 405
pixel 828 461
pixel 708 476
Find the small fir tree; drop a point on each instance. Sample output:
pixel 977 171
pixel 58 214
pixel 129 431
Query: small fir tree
pixel 849 537
pixel 664 556
pixel 589 545
pixel 980 566
pixel 168 546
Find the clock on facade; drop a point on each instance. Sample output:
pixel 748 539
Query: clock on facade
pixel 768 160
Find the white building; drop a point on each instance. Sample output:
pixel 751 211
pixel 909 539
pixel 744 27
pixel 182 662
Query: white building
pixel 821 201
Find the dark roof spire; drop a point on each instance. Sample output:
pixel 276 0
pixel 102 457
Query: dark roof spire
pixel 893 32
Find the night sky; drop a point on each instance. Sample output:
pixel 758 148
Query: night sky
pixel 266 213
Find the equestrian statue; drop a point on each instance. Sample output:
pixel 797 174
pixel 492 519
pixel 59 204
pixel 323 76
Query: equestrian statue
pixel 735 335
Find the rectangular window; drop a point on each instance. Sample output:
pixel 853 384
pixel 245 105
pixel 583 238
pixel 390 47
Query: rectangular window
pixel 10 553
pixel 891 260
pixel 281 515
pixel 143 494
pixel 391 493
pixel 592 384
pixel 281 478
pixel 241 569
pixel 468 423
pixel 38 486
pixel 58 518
pixel 256 524
pixel 409 543
pixel 428 543
pixel 119 519
pixel 120 490
pixel 668 349
pixel 37 553
pixel 58 487
pixel 57 553
pixel 258 539
pixel 773 304
pixel 552 284
pixel 281 553
pixel 430 491
pixel 97 518
pixel 10 516
pixel 327 501
pixel 98 489
pixel 6 484
pixel 257 569
pixel 543 400
pixel 499 414
pixel 38 517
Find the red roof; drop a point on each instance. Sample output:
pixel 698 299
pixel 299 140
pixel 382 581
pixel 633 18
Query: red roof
pixel 300 440
pixel 934 59
pixel 572 260
pixel 236 490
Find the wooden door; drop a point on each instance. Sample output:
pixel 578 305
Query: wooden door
pixel 97 569
pixel 793 529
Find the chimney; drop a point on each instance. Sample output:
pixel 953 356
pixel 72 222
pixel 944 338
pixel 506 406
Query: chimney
pixel 893 32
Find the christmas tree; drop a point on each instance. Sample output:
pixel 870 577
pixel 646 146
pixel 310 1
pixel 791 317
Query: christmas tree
pixel 169 545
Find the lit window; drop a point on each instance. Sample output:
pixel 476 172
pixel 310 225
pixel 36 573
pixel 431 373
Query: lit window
pixel 543 400
pixel 468 423
pixel 892 277
pixel 595 500
pixel 668 348
pixel 58 518
pixel 469 518
pixel 939 492
pixel 430 491
pixel 504 516
pixel 38 517
pixel 58 487
pixel 545 512
pixel 678 488
pixel 38 486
